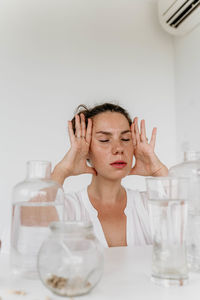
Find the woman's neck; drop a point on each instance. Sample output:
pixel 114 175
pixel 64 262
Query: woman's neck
pixel 105 191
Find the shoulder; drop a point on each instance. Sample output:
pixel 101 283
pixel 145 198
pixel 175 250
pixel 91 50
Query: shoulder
pixel 137 198
pixel 138 213
pixel 136 194
pixel 75 205
pixel 74 195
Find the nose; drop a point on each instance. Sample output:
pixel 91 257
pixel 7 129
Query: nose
pixel 117 148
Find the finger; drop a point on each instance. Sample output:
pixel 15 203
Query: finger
pixel 78 126
pixel 143 131
pixel 137 133
pixel 133 134
pixel 134 119
pixel 89 131
pixel 83 130
pixel 153 137
pixel 71 132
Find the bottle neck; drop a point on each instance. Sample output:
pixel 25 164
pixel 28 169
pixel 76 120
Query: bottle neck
pixel 38 169
pixel 191 155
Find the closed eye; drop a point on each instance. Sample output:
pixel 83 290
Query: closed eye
pixel 104 141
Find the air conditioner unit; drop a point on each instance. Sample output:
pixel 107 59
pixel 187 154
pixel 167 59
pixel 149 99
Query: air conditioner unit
pixel 179 17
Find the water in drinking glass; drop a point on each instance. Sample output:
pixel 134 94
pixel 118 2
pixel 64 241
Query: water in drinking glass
pixel 168 208
pixel 169 249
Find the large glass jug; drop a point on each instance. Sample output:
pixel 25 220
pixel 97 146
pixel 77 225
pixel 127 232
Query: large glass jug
pixel 36 202
pixel 190 168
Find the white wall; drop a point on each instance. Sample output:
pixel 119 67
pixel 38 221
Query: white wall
pixel 55 55
pixel 187 66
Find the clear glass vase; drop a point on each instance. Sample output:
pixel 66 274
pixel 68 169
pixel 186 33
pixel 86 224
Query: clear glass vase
pixel 190 168
pixel 36 202
pixel 76 258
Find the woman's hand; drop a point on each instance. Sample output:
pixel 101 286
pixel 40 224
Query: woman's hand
pixel 75 161
pixel 146 161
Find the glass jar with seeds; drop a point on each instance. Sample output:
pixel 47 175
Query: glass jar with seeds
pixel 70 261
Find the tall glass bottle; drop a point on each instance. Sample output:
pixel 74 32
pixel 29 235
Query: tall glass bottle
pixel 36 202
pixel 190 168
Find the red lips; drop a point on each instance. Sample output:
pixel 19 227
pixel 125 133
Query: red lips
pixel 119 164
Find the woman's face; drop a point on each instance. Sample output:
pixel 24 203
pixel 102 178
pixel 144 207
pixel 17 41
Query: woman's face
pixel 111 150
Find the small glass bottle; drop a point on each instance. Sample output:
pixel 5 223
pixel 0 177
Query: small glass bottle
pixel 70 261
pixel 190 168
pixel 36 202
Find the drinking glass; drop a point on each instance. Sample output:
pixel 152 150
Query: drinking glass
pixel 168 215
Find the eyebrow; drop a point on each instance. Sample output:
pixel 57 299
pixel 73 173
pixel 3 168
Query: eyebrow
pixel 109 133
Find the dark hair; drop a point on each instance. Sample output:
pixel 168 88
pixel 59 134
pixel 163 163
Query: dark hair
pixel 98 109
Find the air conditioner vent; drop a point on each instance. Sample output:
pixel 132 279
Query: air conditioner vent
pixel 183 12
pixel 179 16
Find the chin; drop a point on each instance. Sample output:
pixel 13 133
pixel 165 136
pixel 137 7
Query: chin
pixel 114 176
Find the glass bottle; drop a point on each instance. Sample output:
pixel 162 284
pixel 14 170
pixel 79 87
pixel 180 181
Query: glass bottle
pixel 190 168
pixel 76 258
pixel 36 202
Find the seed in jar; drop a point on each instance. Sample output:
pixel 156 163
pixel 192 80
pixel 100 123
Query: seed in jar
pixel 57 282
pixel 61 282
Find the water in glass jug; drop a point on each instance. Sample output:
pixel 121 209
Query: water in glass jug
pixel 36 202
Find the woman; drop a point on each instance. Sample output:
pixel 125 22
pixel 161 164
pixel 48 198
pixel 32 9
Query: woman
pixel 106 137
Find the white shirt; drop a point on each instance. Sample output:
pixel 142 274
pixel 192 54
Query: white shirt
pixel 78 207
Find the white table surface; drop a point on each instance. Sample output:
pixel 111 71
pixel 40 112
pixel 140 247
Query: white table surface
pixel 126 277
